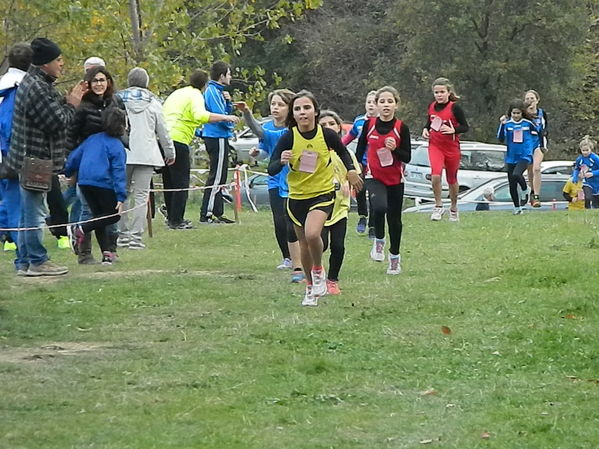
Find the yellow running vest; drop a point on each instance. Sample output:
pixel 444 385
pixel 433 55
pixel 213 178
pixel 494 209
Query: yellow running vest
pixel 304 185
pixel 343 195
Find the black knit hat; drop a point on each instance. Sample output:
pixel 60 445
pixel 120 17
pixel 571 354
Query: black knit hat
pixel 44 51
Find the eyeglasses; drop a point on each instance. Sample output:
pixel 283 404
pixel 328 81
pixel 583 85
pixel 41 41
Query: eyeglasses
pixel 99 81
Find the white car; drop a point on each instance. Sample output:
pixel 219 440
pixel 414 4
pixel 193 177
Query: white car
pixel 551 196
pixel 480 162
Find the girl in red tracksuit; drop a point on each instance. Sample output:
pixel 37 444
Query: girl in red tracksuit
pixel 387 141
pixel 446 120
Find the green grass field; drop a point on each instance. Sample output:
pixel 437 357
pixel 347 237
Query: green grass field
pixel 488 339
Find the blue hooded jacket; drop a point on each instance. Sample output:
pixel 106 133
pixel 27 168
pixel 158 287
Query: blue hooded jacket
pixel 101 162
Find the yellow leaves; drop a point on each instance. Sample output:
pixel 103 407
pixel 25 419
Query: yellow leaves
pixel 97 20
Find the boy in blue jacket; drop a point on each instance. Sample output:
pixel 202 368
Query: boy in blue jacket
pixel 216 137
pixel 101 165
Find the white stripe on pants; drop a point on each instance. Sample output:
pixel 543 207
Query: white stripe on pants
pixel 222 153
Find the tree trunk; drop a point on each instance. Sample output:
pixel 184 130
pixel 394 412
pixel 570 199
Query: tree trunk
pixel 138 44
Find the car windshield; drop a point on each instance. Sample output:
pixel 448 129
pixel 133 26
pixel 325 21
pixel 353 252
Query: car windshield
pixel 481 160
pixel 420 156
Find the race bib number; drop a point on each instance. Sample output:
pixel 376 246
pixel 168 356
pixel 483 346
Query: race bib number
pixel 308 161
pixel 518 136
pixel 385 157
pixel 436 123
pixel 584 169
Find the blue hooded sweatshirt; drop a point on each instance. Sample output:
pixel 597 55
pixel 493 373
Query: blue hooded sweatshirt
pixel 101 162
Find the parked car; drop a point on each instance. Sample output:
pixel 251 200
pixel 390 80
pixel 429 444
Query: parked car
pixel 243 142
pixel 553 185
pixel 480 162
pixel 257 185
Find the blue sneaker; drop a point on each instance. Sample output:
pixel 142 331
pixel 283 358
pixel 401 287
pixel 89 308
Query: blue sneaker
pixel 297 277
pixel 361 226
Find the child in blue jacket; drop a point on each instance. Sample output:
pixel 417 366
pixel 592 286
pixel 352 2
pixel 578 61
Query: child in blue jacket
pixel 519 134
pixel 586 168
pixel 101 165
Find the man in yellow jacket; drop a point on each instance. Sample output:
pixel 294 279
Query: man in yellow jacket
pixel 184 111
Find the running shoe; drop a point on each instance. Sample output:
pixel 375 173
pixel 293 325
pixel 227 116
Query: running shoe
pixel 454 215
pixel 223 220
pixel 63 242
pixel 361 226
pixel 309 298
pixel 10 246
pixel 524 197
pixel 297 277
pixel 517 211
pixel 437 213
pixel 371 235
pixel 181 226
pixel 319 283
pixel 163 211
pixel 285 264
pixel 106 258
pixel 333 288
pixel 377 253
pixel 394 264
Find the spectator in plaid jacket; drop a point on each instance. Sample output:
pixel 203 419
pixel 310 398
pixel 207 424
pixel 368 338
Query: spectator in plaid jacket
pixel 40 120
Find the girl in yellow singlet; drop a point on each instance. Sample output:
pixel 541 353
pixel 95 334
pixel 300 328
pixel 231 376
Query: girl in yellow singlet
pixel 305 148
pixel 335 228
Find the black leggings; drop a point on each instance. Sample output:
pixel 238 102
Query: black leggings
pixel 284 231
pixel 337 232
pixel 386 201
pixel 102 202
pixel 590 201
pixel 363 204
pixel 515 176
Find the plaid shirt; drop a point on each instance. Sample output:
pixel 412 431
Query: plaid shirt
pixel 40 121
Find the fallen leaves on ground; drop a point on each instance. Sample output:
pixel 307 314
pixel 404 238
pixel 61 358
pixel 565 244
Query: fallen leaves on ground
pixel 429 392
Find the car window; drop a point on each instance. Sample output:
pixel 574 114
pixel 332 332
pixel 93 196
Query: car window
pixel 559 170
pixel 420 156
pixel 502 193
pixel 259 181
pixel 481 160
pixel 552 190
pixel 247 134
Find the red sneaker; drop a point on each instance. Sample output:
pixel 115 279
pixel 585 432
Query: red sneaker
pixel 333 288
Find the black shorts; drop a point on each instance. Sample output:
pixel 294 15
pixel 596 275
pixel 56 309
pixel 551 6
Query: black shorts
pixel 298 209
